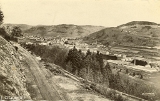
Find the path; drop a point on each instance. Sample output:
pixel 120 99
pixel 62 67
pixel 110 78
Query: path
pixel 47 90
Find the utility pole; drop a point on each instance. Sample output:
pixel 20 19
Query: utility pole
pixel 134 60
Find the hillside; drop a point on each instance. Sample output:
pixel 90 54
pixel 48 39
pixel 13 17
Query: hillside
pixel 62 30
pixel 23 27
pixel 132 23
pixel 12 79
pixel 22 76
pixel 136 33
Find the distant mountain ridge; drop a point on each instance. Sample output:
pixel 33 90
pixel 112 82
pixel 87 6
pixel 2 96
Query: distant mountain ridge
pixel 135 33
pixel 138 23
pixel 22 26
pixel 62 30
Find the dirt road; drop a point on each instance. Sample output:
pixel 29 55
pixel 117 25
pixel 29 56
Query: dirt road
pixel 47 90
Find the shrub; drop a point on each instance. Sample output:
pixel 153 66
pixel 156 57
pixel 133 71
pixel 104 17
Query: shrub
pixel 16 32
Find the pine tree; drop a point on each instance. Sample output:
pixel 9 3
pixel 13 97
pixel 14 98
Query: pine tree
pixel 1 17
pixel 75 57
pixel 88 52
pixel 109 74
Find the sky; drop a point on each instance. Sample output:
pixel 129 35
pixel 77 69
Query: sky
pixel 109 13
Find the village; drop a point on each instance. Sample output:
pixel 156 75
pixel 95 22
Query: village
pixel 122 62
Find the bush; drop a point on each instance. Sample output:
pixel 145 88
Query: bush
pixel 136 87
pixel 3 33
pixel 16 32
pixel 54 54
pixel 6 36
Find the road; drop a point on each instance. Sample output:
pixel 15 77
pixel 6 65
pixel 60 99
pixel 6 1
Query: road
pixel 47 90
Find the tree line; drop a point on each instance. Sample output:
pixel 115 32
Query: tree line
pixel 87 65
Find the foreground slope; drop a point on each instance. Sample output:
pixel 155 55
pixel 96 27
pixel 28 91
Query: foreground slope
pixel 12 79
pixel 47 90
pixel 15 69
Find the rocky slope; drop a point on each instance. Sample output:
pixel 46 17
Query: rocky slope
pixel 12 78
pixel 21 75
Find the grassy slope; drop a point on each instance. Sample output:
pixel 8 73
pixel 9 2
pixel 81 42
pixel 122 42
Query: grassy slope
pixel 63 30
pixel 130 34
pixel 139 23
pixel 22 26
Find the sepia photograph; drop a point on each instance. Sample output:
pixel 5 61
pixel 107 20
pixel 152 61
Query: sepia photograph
pixel 79 50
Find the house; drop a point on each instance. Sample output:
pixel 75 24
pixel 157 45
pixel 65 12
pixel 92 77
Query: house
pixel 43 44
pixel 140 62
pixel 29 43
pixel 107 53
pixel 109 57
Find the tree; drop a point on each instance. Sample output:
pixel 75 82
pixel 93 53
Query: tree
pixel 1 17
pixel 88 52
pixel 3 32
pixel 16 32
pixel 86 64
pixel 75 57
pixel 99 59
pixel 109 74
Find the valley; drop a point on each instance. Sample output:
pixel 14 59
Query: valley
pixel 76 50
pixel 126 61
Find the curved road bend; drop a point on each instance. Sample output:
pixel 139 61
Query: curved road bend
pixel 47 90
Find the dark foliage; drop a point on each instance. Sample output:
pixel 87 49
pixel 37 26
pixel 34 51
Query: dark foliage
pixel 7 36
pixel 1 17
pixel 89 66
pixel 16 32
